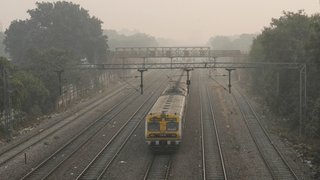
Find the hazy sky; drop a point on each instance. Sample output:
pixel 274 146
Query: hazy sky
pixel 178 19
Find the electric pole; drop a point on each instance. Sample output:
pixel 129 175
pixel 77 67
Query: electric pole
pixel 229 78
pixel 7 102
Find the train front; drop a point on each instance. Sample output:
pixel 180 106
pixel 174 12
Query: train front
pixel 164 123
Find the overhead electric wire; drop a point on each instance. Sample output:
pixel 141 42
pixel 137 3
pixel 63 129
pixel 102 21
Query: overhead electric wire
pixel 217 83
pixel 129 84
pixel 177 84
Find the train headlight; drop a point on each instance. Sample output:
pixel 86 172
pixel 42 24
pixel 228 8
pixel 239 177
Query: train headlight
pixel 151 135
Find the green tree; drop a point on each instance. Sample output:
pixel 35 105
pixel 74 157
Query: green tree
pixel 313 44
pixel 28 92
pixel 313 55
pixel 313 126
pixel 2 46
pixel 45 66
pixel 220 43
pixel 35 92
pixel 16 40
pixel 283 41
pixel 244 42
pixel 3 62
pixel 63 25
pixel 136 40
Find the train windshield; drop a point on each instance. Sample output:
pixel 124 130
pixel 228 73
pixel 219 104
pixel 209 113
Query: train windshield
pixel 172 126
pixel 153 126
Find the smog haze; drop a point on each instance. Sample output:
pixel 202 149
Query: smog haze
pixel 181 20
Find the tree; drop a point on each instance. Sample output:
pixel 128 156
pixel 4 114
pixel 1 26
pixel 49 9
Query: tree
pixel 220 43
pixel 313 55
pixel 283 41
pixel 45 65
pixel 28 92
pixel 313 44
pixel 3 62
pixel 136 40
pixel 2 46
pixel 313 126
pixel 35 92
pixel 63 25
pixel 16 40
pixel 244 42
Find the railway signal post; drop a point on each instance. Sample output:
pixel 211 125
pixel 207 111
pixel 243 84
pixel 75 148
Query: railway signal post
pixel 141 85
pixel 188 80
pixel 229 78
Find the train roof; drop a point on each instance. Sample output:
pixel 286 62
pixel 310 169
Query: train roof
pixel 169 104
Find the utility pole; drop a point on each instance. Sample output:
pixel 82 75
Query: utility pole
pixel 123 71
pixel 229 78
pixel 141 85
pixel 60 85
pixel 7 101
pixel 188 80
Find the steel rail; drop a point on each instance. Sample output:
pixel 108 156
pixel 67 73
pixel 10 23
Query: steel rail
pixel 104 170
pixel 168 168
pixel 51 132
pixel 211 139
pixel 202 135
pixel 21 143
pixel 72 140
pixel 78 135
pixel 253 137
pixel 264 158
pixel 217 133
pixel 93 134
pixel 267 163
pixel 267 134
pixel 158 163
pixel 116 135
pixel 148 169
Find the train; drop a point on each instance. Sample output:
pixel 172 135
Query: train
pixel 164 122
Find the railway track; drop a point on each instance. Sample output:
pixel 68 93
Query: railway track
pixel 159 167
pixel 44 169
pixel 212 157
pixel 14 150
pixel 100 163
pixel 272 157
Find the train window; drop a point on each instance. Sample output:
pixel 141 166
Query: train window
pixel 155 119
pixel 171 119
pixel 153 126
pixel 172 126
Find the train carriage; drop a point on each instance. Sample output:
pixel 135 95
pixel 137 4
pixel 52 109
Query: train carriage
pixel 164 122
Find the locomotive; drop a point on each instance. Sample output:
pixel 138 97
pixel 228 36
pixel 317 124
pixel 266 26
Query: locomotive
pixel 163 124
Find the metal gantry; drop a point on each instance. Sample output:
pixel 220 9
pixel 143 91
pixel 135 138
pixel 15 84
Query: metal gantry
pixel 195 65
pixel 301 67
pixel 207 56
pixel 171 52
